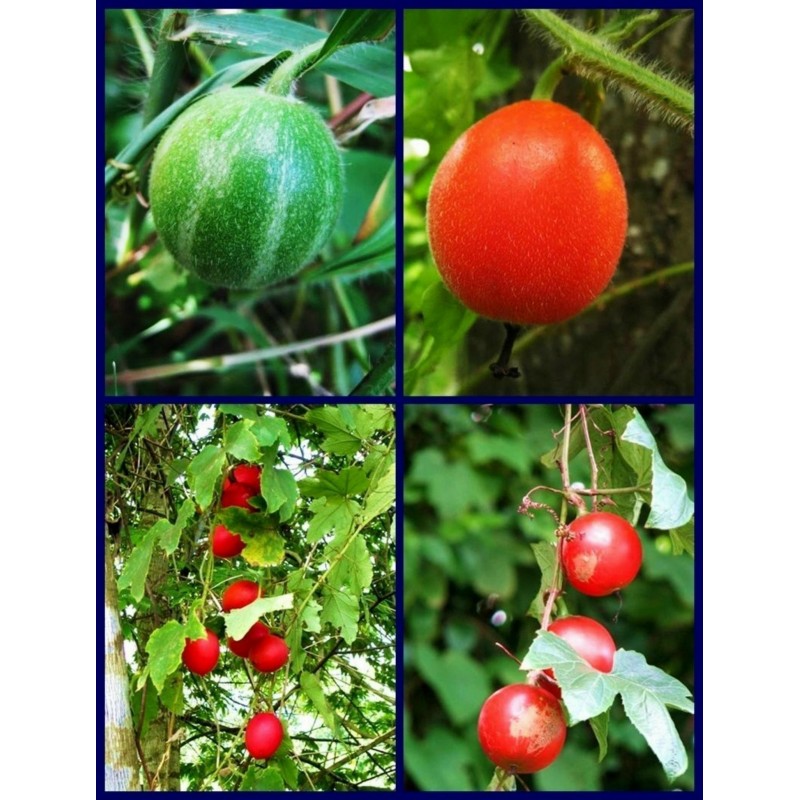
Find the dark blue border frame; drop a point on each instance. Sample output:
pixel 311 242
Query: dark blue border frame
pixel 400 400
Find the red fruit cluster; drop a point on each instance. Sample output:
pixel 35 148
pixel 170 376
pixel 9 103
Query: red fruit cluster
pixel 521 728
pixel 267 652
pixel 243 483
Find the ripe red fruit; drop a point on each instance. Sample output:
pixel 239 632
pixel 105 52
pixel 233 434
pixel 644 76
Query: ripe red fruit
pixel 237 494
pixel 263 735
pixel 225 544
pixel 521 728
pixel 240 594
pixel 589 639
pixel 241 647
pixel 269 654
pixel 201 655
pixel 248 474
pixel 527 214
pixel 601 553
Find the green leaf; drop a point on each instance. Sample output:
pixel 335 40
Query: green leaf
pixel 239 621
pixel 331 513
pixel 339 440
pixel 134 573
pixel 683 539
pixel 585 691
pixel 268 549
pixel 670 506
pixel 164 648
pixel 279 488
pixel 236 410
pixel 600 727
pixel 354 567
pixel 368 67
pixel 266 780
pixel 359 25
pixel 382 497
pixel 313 690
pixel 347 483
pixel 460 683
pixel 340 610
pixel 169 538
pixel 269 430
pixel 379 380
pixel 204 471
pixel 240 441
pixel 288 768
pixel 646 693
pixel 545 554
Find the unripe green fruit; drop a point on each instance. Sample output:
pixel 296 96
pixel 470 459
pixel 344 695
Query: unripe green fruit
pixel 246 187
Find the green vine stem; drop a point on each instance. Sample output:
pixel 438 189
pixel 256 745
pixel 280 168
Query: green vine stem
pixel 281 80
pixel 593 57
pixel 548 81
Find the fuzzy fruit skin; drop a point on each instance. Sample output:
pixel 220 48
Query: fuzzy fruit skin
pixel 527 214
pixel 521 728
pixel 589 639
pixel 241 647
pixel 601 554
pixel 269 654
pixel 225 544
pixel 201 655
pixel 246 187
pixel 240 594
pixel 263 735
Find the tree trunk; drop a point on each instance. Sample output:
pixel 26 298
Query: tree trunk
pixel 121 758
pixel 161 755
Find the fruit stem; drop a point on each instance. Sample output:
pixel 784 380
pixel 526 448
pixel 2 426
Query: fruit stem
pixel 500 368
pixel 548 81
pixel 293 67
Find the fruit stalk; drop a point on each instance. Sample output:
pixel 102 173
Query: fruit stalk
pixel 280 82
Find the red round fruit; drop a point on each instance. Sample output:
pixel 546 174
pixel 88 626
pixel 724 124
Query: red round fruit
pixel 263 735
pixel 249 475
pixel 241 647
pixel 269 654
pixel 201 655
pixel 589 639
pixel 240 594
pixel 237 494
pixel 225 544
pixel 521 728
pixel 602 553
pixel 527 214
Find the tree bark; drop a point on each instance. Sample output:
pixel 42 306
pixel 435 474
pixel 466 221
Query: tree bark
pixel 121 759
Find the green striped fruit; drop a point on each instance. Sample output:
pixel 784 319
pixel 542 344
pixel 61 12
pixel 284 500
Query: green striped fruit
pixel 246 187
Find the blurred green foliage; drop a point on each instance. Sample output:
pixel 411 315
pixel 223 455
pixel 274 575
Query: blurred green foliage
pixel 468 554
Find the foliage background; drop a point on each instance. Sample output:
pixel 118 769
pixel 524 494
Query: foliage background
pixel 465 64
pixel 159 315
pixel 467 554
pixel 331 472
